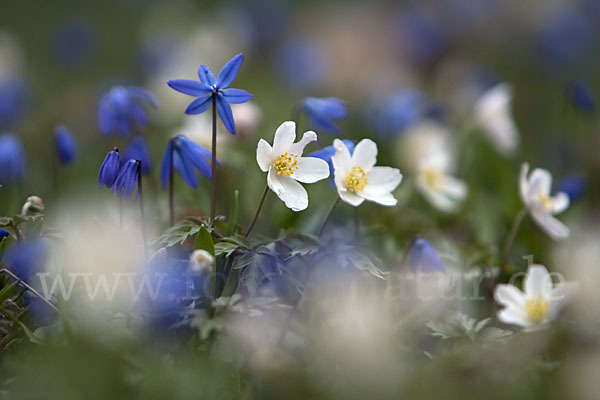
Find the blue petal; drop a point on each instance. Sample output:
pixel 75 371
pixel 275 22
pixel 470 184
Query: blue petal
pixel 206 76
pixel 66 150
pixel 224 110
pixel 229 71
pixel 109 170
pixel 236 96
pixel 165 168
pixel 424 257
pixel 199 105
pixel 196 155
pixel 186 86
pixel 138 150
pixel 139 93
pixel 184 168
pixel 4 233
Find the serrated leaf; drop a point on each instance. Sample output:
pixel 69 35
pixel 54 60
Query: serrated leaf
pixel 178 233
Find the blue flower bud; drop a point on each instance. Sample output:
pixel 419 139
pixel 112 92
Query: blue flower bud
pixel 127 181
pixel 109 170
pixel 424 258
pixel 64 143
pixel 12 158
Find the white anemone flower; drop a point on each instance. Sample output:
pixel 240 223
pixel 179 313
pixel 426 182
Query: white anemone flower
pixel 287 167
pixel 493 115
pixel 438 186
pixel 538 304
pixel 535 193
pixel 358 179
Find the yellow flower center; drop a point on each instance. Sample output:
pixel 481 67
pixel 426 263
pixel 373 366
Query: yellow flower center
pixel 433 178
pixel 547 201
pixel 537 309
pixel 286 164
pixel 356 179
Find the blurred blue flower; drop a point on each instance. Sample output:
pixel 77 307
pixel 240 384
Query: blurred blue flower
pixel 3 233
pixel 574 185
pixel 424 258
pixel 127 181
pixel 422 37
pixel 322 112
pixel 12 158
pixel 186 155
pixel 138 150
pixel 74 43
pixel 398 111
pixel 120 110
pixel 566 38
pixel 25 259
pixel 109 170
pixel 260 22
pixel 209 86
pixel 14 97
pixel 301 63
pixel 327 152
pixel 582 97
pixel 66 150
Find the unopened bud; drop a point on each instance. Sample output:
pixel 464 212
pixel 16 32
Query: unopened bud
pixel 33 205
pixel 201 261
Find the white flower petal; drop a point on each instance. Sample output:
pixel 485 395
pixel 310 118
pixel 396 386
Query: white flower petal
pixel 514 316
pixel 289 191
pixel 349 197
pixel 553 227
pixel 284 137
pixel 311 169
pixel 298 148
pixel 385 199
pixel 509 296
pixel 540 181
pixel 561 202
pixel 538 282
pixel 560 296
pixel 454 188
pixel 263 155
pixel 383 179
pixel 524 183
pixel 436 197
pixel 342 162
pixel 365 154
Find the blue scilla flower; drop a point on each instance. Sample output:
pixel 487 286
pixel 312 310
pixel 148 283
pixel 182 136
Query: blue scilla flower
pixel 582 97
pixel 327 152
pixel 3 233
pixel 574 185
pixel 14 97
pixel 210 86
pixel 121 110
pixel 66 150
pixel 398 111
pixel 138 150
pixel 322 112
pixel 127 181
pixel 25 259
pixel 109 170
pixel 74 43
pixel 12 158
pixel 424 258
pixel 422 36
pixel 302 63
pixel 185 155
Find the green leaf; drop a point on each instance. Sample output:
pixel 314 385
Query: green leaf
pixel 179 233
pixel 7 291
pixel 233 213
pixel 204 241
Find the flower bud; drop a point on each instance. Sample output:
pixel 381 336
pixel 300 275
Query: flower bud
pixel 33 205
pixel 201 261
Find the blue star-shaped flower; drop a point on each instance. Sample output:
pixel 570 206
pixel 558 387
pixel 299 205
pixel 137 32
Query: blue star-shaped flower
pixel 186 155
pixel 210 86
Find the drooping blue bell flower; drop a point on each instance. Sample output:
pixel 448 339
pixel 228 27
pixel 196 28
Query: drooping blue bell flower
pixel 127 181
pixel 574 185
pixel 327 152
pixel 424 258
pixel 121 110
pixel 12 158
pixel 3 233
pixel 323 112
pixel 25 259
pixel 138 150
pixel 582 98
pixel 109 170
pixel 185 156
pixel 66 149
pixel 209 86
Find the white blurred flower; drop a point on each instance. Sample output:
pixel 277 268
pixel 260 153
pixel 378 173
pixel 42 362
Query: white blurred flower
pixel 422 139
pixel 247 116
pixel 358 179
pixel 434 181
pixel 201 261
pixel 540 302
pixel 286 166
pixel 492 114
pixel 535 193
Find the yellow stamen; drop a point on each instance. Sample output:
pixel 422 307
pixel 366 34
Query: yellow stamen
pixel 547 201
pixel 537 309
pixel 286 164
pixel 356 179
pixel 433 178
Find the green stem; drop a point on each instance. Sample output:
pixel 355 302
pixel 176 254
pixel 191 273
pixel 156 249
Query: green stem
pixel 258 209
pixel 328 216
pixel 513 234
pixel 213 169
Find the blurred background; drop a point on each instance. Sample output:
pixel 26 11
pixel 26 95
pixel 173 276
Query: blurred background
pixel 398 65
